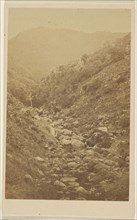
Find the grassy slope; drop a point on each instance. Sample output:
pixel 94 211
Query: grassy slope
pixel 101 87
pixel 97 95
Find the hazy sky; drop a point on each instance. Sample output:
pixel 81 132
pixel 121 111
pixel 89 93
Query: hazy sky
pixel 87 20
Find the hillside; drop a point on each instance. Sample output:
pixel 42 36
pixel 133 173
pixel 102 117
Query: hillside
pixel 73 142
pixel 41 49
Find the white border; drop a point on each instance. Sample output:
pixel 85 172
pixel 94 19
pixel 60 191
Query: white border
pixel 68 209
pixel 1 95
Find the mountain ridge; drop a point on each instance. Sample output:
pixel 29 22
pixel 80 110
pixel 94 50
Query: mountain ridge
pixel 42 49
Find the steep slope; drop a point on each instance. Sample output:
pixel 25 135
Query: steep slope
pixel 92 96
pixel 41 49
pixel 73 143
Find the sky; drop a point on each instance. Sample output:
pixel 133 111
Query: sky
pixel 86 20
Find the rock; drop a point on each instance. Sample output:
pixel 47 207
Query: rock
pixel 40 172
pixel 95 147
pixel 87 159
pixel 39 159
pixel 77 159
pixel 101 166
pixel 90 153
pixel 54 175
pixel 72 165
pixel 67 132
pixel 59 184
pixel 52 131
pixel 109 162
pixel 80 190
pixel 60 193
pixel 102 139
pixel 100 117
pixel 57 169
pixel 91 176
pixel 103 129
pixel 10 155
pixel 28 178
pixel 66 142
pixel 46 146
pixel 91 166
pixel 75 123
pixel 74 184
pixel 77 143
pixel 63 137
pixel 127 159
pixel 68 179
pixel 99 150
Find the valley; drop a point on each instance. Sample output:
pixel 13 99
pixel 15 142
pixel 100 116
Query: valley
pixel 68 134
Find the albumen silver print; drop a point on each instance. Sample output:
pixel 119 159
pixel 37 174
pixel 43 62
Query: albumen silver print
pixel 68 104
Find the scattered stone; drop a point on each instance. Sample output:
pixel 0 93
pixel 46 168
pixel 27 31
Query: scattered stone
pixel 68 179
pixel 59 184
pixel 60 192
pixel 52 131
pixel 82 191
pixel 54 175
pixel 10 155
pixel 90 153
pixel 75 123
pixel 72 165
pixel 66 142
pixel 109 162
pixel 103 129
pixel 39 159
pixel 90 176
pixel 73 184
pixel 87 159
pixel 67 132
pixel 40 172
pixel 46 146
pixel 77 143
pixel 28 178
pixel 48 181
pixel 101 166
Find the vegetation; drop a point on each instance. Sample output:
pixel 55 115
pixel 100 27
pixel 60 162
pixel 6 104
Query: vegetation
pixel 88 99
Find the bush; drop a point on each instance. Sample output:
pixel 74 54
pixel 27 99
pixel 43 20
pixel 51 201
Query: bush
pixel 92 86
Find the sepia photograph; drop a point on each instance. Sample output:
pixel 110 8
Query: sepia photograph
pixel 68 104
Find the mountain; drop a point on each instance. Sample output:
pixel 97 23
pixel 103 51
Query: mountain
pixel 41 49
pixel 71 142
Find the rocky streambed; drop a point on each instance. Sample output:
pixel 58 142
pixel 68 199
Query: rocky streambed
pixel 75 167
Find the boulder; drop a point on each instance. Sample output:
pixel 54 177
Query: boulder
pixel 72 165
pixel 39 159
pixel 86 159
pixel 73 184
pixel 77 143
pixel 52 131
pixel 28 178
pixel 68 179
pixel 67 132
pixel 66 142
pixel 103 129
pixel 59 184
pixel 75 123
pixel 80 190
pixel 46 146
pixel 102 139
pixel 90 153
pixel 40 173
pixel 100 167
pixel 63 137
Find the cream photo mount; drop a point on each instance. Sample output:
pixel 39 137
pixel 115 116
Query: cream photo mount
pixel 15 208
